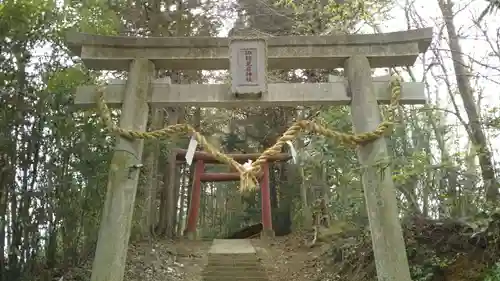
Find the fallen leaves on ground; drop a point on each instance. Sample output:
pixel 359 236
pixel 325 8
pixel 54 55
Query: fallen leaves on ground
pixel 157 260
pixel 288 259
pixel 166 260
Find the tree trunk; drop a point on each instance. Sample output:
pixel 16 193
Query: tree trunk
pixel 474 129
pixel 149 209
pixel 162 212
pixel 168 195
pixel 182 199
pixel 6 184
pixel 306 210
pixel 178 174
pixel 197 127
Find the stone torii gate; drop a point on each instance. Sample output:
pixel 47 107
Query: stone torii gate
pixel 248 60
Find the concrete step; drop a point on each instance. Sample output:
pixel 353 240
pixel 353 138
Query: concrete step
pixel 229 263
pixel 233 268
pixel 240 274
pixel 230 260
pixel 231 247
pixel 235 271
pixel 233 260
pixel 234 278
pixel 233 257
pixel 239 268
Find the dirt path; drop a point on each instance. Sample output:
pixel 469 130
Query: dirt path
pixel 286 259
pixel 166 260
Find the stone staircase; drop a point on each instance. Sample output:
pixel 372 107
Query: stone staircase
pixel 233 260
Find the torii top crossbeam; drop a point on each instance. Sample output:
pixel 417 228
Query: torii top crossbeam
pixel 240 158
pixel 284 52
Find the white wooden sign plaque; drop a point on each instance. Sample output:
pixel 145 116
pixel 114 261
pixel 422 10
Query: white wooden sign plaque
pixel 247 65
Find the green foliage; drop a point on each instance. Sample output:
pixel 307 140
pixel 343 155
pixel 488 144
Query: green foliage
pixel 319 16
pixel 427 270
pixel 58 152
pixel 494 273
pixel 94 16
pixel 416 165
pixel 493 118
pixel 21 19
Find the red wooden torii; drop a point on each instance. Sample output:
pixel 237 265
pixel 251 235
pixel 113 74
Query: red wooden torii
pixel 201 158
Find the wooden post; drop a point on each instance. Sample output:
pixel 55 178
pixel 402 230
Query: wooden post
pixel 194 207
pixel 267 225
pixel 387 237
pixel 114 231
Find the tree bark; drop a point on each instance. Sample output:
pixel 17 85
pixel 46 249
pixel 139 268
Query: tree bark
pixel 149 209
pixel 170 192
pixel 197 127
pixel 182 199
pixel 168 202
pixel 476 133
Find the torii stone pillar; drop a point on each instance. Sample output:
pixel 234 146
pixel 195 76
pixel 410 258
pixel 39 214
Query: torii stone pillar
pixel 114 231
pixel 380 194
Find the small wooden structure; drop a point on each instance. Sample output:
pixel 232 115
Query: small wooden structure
pixel 202 158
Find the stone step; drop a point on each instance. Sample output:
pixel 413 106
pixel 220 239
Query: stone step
pixel 229 261
pixel 234 278
pixel 233 262
pixel 255 268
pixel 233 257
pixel 232 268
pixel 242 277
pixel 239 274
pixel 231 247
pixel 222 266
pixel 235 272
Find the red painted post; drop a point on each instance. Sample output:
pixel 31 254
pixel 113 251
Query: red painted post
pixel 194 207
pixel 267 226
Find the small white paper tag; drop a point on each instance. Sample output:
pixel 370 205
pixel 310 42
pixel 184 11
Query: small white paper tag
pixel 193 143
pixel 293 151
pixel 248 165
